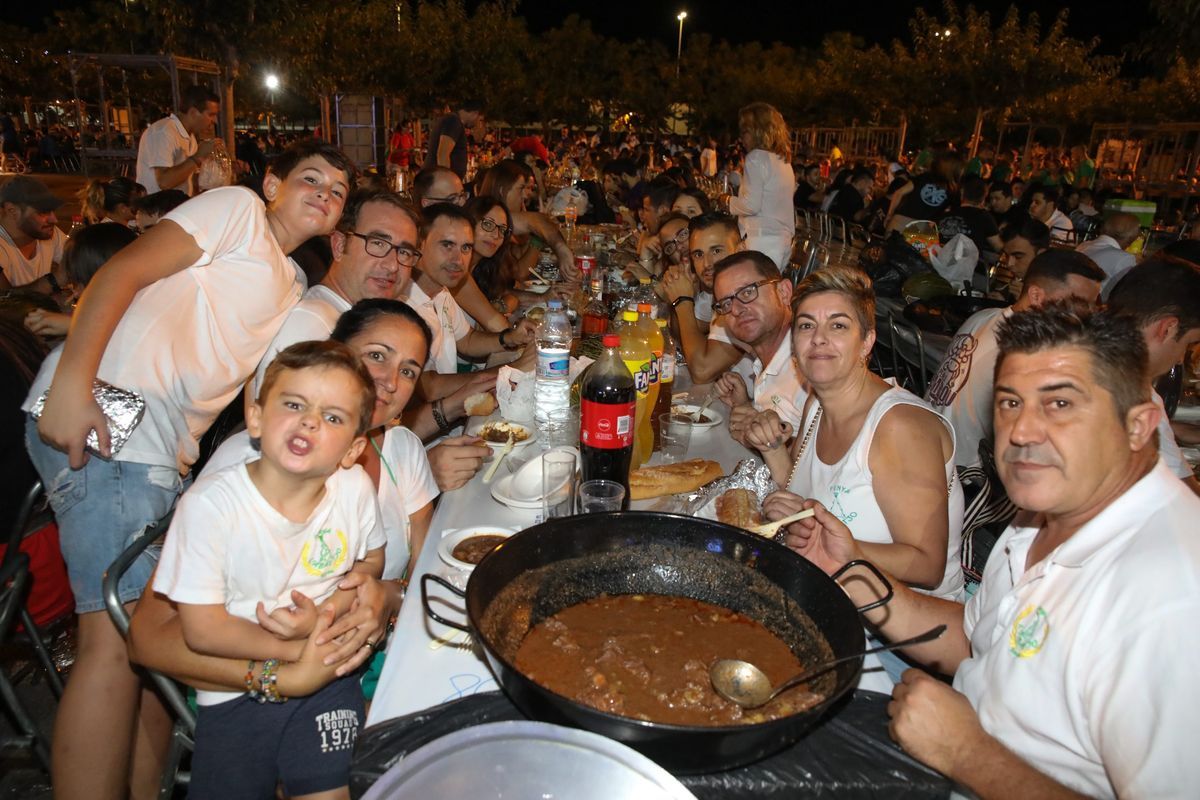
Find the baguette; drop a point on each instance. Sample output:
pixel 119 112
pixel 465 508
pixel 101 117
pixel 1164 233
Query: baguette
pixel 739 507
pixel 685 476
pixel 479 405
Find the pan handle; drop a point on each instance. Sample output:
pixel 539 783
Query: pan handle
pixel 425 579
pixel 858 562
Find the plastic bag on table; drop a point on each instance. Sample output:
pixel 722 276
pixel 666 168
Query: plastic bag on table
pixel 890 264
pixel 847 755
pixel 955 260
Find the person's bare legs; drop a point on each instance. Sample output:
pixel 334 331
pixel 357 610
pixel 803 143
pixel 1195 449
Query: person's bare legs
pixel 93 731
pixel 152 739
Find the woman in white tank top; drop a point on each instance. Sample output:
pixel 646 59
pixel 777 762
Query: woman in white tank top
pixel 877 456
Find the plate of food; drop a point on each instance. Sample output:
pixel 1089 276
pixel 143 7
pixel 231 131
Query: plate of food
pixel 466 547
pixel 537 286
pixel 496 433
pixel 708 419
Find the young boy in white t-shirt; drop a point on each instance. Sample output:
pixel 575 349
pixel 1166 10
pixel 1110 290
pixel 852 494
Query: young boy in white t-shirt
pixel 245 542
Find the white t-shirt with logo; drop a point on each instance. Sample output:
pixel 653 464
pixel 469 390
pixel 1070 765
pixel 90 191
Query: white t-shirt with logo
pixel 961 389
pixel 164 144
pixel 446 320
pixel 406 485
pixel 227 545
pixel 313 319
pixel 21 270
pixel 190 340
pixel 1080 663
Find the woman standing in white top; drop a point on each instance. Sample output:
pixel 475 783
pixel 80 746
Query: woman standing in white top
pixel 875 455
pixel 763 204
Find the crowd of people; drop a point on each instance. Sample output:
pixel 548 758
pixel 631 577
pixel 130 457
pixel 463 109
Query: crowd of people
pixel 347 326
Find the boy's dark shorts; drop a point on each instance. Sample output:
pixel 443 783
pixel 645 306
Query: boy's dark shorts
pixel 243 748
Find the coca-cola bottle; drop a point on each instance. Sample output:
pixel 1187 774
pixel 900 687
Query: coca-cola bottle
pixel 606 415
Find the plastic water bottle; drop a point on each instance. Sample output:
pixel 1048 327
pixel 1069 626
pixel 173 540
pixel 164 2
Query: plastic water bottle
pixel 552 384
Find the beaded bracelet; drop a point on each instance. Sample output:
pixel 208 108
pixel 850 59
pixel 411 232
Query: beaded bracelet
pixel 250 690
pixel 268 683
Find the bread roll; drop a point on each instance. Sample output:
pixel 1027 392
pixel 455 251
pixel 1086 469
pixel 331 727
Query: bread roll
pixel 739 507
pixel 685 476
pixel 479 405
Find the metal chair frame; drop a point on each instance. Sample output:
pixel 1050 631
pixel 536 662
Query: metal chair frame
pixel 184 730
pixel 917 369
pixel 14 580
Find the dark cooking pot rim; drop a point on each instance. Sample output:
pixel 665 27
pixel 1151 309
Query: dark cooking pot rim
pixel 650 725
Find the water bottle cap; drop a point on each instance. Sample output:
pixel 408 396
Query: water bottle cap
pixel 644 308
pixel 554 305
pixel 629 315
pixel 611 340
pixel 644 281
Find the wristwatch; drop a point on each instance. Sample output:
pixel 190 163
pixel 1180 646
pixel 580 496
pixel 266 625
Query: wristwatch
pixel 687 297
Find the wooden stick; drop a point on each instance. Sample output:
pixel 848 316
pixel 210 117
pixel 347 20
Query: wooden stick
pixel 769 529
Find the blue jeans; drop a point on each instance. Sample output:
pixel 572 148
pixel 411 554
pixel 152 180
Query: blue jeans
pixel 100 510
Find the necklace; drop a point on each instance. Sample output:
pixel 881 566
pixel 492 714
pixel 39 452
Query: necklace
pixel 808 434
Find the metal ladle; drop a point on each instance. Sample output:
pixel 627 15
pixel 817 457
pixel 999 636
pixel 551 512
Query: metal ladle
pixel 745 684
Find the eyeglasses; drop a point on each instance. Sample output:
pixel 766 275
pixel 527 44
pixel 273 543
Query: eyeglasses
pixel 745 295
pixel 380 248
pixel 491 226
pixel 458 198
pixel 679 240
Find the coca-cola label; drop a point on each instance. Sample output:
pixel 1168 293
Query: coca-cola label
pixel 608 426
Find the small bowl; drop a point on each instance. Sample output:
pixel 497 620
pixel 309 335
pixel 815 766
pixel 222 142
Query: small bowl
pixel 531 434
pixel 526 484
pixel 714 417
pixel 453 538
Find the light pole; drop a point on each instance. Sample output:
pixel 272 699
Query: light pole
pixel 679 52
pixel 272 83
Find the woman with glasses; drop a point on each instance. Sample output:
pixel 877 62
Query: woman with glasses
pixel 490 267
pixel 763 204
pixel 876 455
pixel 691 203
pixel 532 231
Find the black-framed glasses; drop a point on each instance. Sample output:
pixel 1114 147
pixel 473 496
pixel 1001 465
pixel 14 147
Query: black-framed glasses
pixel 458 198
pixel 745 295
pixel 491 226
pixel 380 248
pixel 679 240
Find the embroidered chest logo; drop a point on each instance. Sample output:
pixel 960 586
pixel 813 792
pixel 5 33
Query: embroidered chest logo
pixel 1029 633
pixel 836 508
pixel 325 553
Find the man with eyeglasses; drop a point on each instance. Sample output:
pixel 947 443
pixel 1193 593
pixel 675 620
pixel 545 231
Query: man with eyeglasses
pixel 708 348
pixel 445 262
pixel 434 185
pixel 667 249
pixel 754 302
pixel 375 248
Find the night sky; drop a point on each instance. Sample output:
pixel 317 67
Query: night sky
pixel 800 23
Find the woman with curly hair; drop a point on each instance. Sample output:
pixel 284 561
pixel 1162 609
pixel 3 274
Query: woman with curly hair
pixel 763 204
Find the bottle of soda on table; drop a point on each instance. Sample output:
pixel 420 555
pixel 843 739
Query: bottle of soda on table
pixel 635 352
pixel 650 334
pixel 607 410
pixel 666 380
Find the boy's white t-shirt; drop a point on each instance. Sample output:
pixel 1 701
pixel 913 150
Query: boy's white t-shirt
pixel 190 340
pixel 413 488
pixel 227 545
pixel 21 270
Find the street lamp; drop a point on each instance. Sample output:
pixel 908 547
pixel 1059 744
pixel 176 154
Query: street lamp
pixel 681 16
pixel 272 83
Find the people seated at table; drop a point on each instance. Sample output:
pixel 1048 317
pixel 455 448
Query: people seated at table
pixel 1085 214
pixel 181 316
pixel 971 219
pixel 113 200
pixel 753 301
pixel 1004 210
pixel 150 208
pixel 763 204
pixel 434 185
pixel 506 182
pixel 929 195
pixel 1162 297
pixel 876 455
pixel 961 388
pixel 691 202
pixel 85 252
pixel 490 267
pixel 31 244
pixel 1021 244
pixel 392 342
pixel 1108 249
pixel 708 353
pixel 1066 662
pixel 1043 206
pixel 808 194
pixel 851 201
pixel 665 250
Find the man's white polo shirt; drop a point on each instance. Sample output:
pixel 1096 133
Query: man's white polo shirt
pixel 446 320
pixel 1084 664
pixel 779 387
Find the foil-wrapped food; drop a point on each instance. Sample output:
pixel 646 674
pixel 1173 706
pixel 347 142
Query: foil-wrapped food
pixel 735 499
pixel 123 409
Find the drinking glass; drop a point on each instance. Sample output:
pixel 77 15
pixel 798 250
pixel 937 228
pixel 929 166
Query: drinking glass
pixel 558 484
pixel 675 431
pixel 600 495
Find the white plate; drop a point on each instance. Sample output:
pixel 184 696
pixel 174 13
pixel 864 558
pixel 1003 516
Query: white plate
pixel 714 416
pixel 537 287
pixel 476 427
pixel 501 491
pixel 451 539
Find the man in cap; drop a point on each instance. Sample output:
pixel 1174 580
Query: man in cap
pixel 31 245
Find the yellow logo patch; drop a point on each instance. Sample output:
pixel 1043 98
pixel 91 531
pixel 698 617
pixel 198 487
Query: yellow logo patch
pixel 325 553
pixel 1029 633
